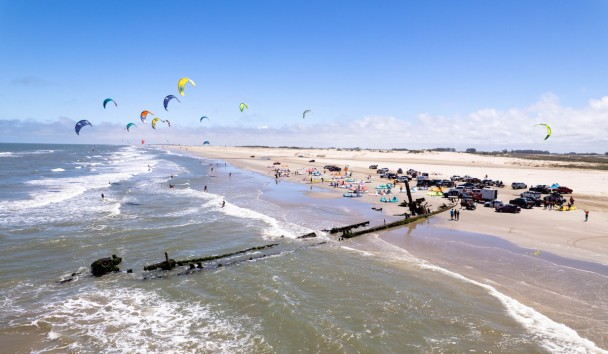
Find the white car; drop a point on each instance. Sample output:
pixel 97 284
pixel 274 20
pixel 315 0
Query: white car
pixel 493 203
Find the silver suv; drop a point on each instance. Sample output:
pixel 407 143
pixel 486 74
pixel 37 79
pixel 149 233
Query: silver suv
pixel 518 185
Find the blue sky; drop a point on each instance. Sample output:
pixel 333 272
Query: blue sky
pixel 377 74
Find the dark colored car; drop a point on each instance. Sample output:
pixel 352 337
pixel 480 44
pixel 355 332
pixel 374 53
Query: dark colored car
pixel 373 167
pixel 543 189
pixel 508 208
pixel 564 190
pixel 537 202
pixel 522 203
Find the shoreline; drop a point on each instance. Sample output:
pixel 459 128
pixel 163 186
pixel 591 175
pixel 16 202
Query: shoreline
pixel 547 271
pixel 563 233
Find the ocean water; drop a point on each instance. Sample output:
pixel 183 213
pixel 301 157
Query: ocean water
pixel 304 295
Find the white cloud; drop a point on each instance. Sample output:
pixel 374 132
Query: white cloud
pixel 582 130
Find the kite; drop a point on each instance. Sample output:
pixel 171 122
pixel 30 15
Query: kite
pixel 181 83
pixel 548 130
pixel 204 117
pixel 304 114
pixel 206 142
pixel 81 124
pixel 154 121
pixel 130 125
pixel 144 115
pixel 242 106
pixel 105 102
pixel 167 99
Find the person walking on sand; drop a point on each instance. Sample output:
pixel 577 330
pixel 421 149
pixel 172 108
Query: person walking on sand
pixel 452 214
pixel 586 215
pixel 457 215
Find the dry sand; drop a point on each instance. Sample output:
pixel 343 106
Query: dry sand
pixel 561 233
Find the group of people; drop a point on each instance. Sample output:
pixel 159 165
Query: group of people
pixel 454 214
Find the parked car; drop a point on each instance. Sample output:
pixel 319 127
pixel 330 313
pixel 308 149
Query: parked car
pixel 373 167
pixel 530 194
pixel 541 188
pixel 452 193
pixel 508 208
pixel 382 170
pixel 519 185
pixel 311 160
pixel 557 198
pixel 493 203
pixel 522 203
pixel 403 178
pixel 536 202
pixel 332 168
pixel 564 190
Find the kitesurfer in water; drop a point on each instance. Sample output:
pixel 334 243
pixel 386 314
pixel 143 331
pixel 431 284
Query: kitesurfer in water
pixel 223 203
pixel 205 189
pixel 102 196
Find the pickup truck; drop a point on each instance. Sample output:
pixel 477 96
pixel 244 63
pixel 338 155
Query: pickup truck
pixel 531 194
pixel 522 203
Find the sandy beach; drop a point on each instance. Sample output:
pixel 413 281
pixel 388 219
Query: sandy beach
pixel 551 260
pixel 562 233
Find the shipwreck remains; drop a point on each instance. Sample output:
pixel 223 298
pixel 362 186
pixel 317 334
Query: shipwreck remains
pixel 105 265
pixel 407 220
pixel 335 230
pixel 169 264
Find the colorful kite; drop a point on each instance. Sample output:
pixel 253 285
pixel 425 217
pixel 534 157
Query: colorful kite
pixel 181 83
pixel 81 124
pixel 167 99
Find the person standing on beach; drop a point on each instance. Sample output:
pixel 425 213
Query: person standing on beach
pixel 452 214
pixel 586 215
pixel 457 215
